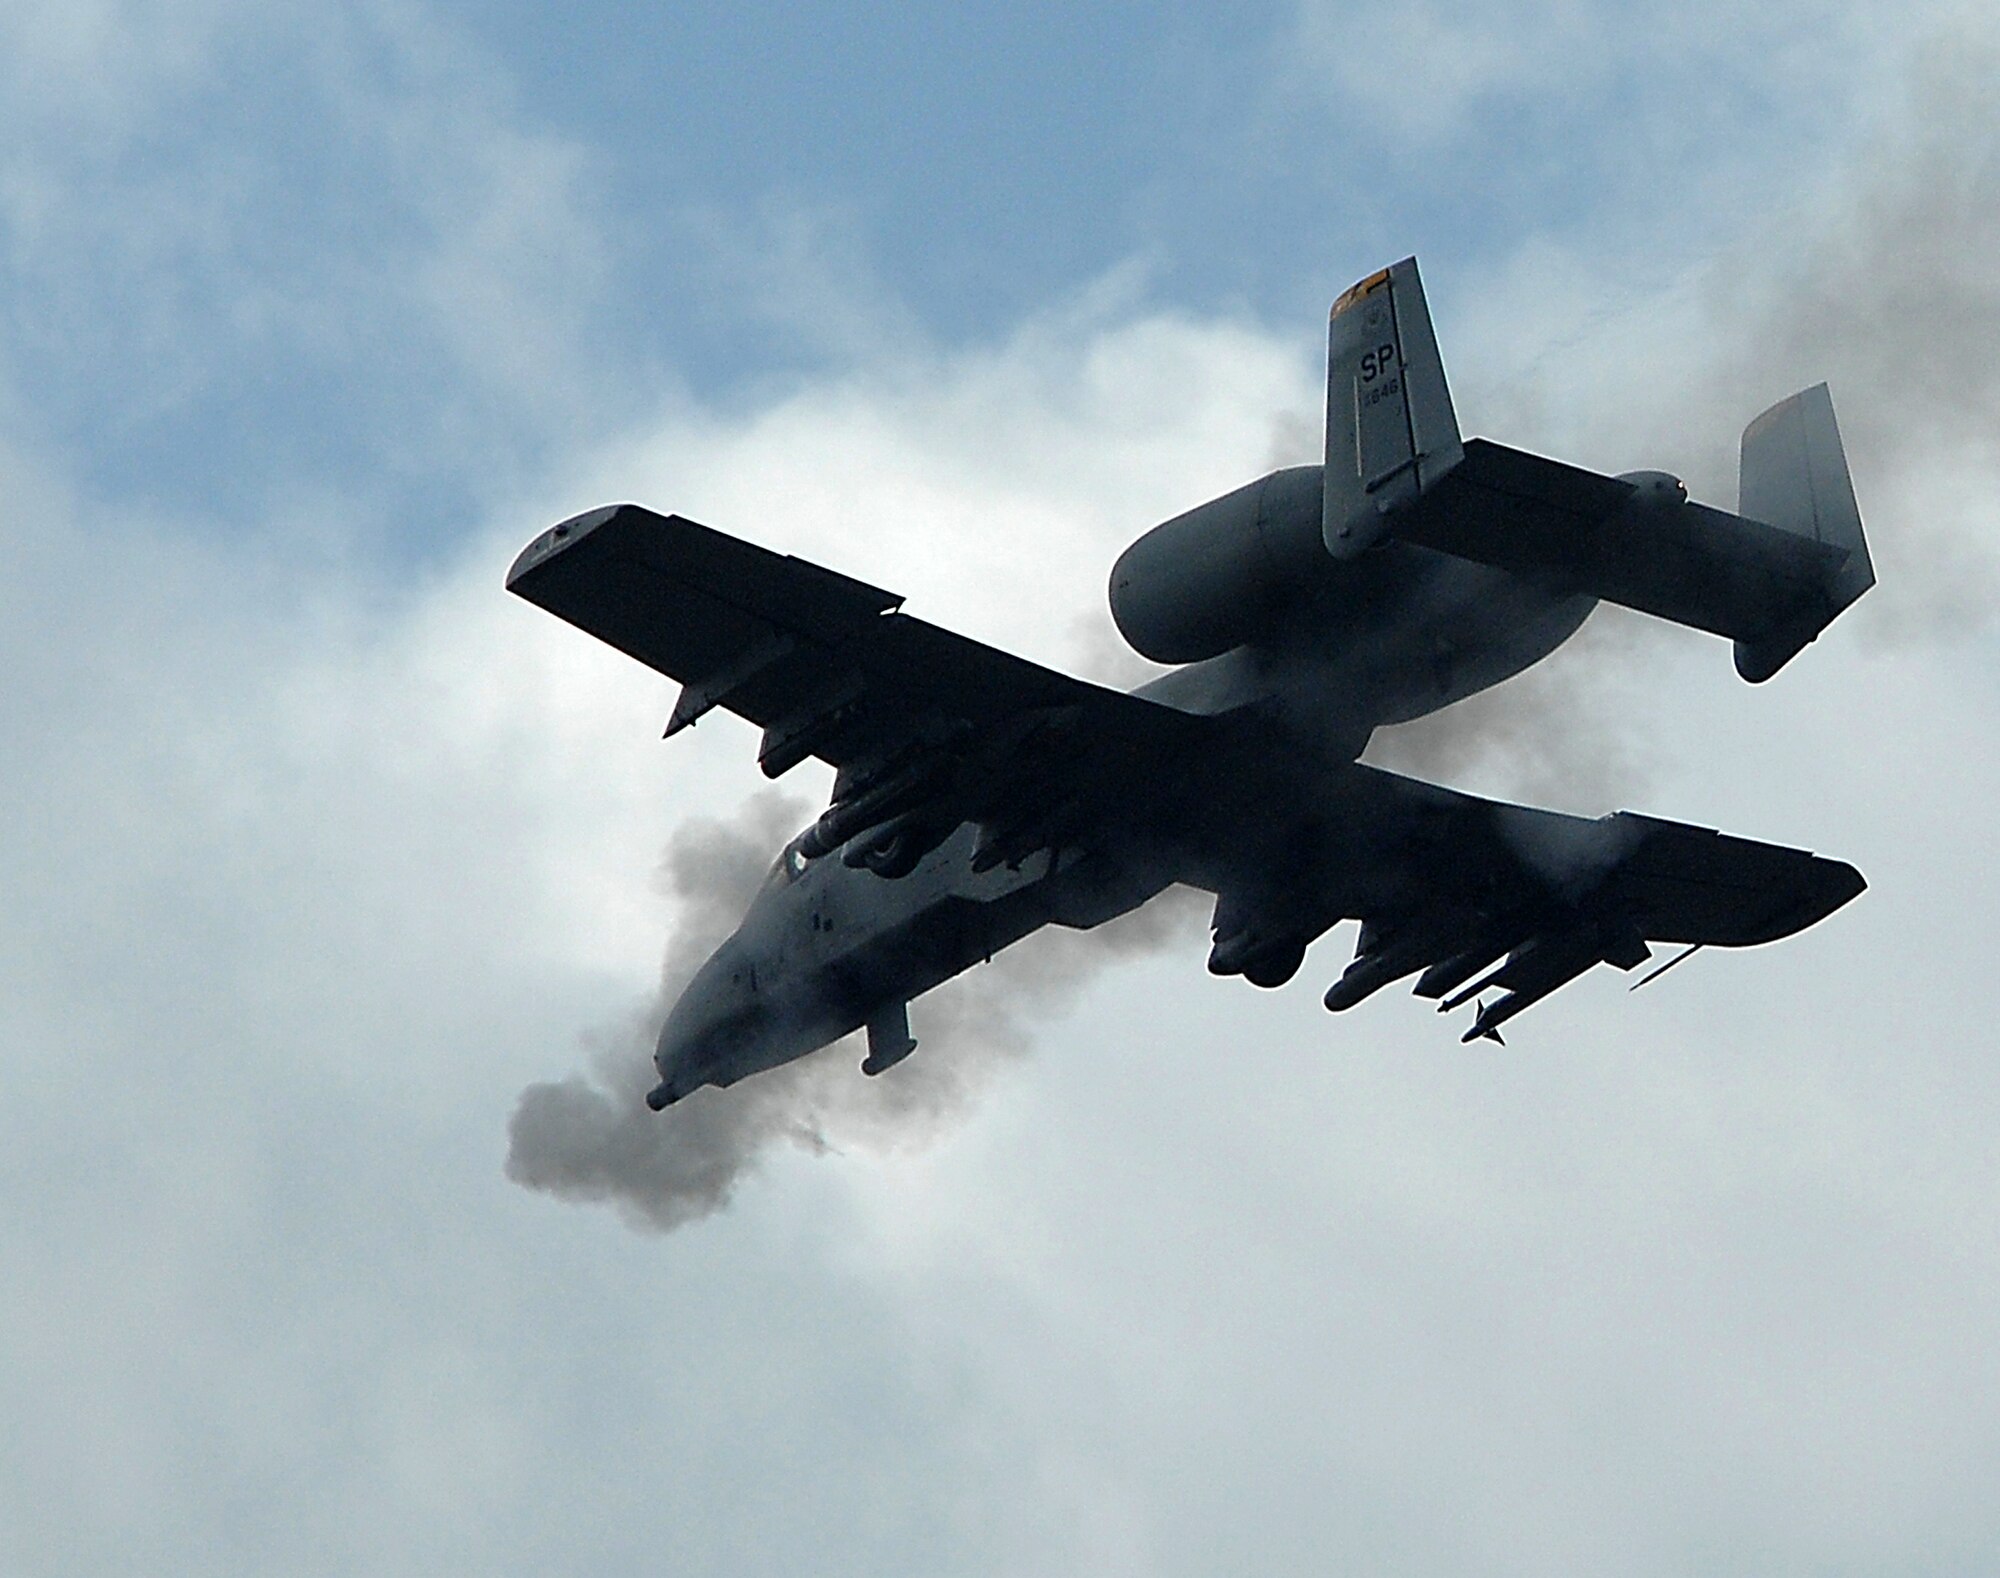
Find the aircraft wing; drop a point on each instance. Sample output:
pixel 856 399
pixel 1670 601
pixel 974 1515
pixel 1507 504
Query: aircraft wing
pixel 927 728
pixel 1477 894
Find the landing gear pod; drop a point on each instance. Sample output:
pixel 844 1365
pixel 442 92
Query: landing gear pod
pixel 889 1040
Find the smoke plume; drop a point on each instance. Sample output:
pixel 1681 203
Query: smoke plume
pixel 1896 301
pixel 1890 293
pixel 591 1137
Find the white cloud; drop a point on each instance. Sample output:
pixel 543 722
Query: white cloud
pixel 309 870
pixel 335 876
pixel 313 872
pixel 1436 69
pixel 318 241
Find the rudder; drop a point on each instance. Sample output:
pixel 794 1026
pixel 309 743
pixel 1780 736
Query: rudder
pixel 1794 476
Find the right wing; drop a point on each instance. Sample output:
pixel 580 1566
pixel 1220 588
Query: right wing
pixel 1479 894
pixel 927 729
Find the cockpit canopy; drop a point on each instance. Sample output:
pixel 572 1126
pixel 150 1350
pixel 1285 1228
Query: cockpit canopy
pixel 790 865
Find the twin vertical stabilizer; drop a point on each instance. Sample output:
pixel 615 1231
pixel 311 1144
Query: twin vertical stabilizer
pixel 1794 477
pixel 1770 578
pixel 1390 430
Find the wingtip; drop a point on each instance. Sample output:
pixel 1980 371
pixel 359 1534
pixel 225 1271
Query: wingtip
pixel 1843 885
pixel 1834 883
pixel 559 537
pixel 1823 887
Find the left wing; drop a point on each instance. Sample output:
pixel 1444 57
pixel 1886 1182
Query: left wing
pixel 927 729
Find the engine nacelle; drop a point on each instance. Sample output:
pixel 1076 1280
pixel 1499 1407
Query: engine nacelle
pixel 1218 576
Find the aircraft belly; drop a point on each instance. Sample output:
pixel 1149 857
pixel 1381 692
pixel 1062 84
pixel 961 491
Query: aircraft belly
pixel 909 934
pixel 1425 630
pixel 930 947
pixel 1473 628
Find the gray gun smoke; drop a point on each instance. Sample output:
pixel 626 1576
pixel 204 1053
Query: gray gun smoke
pixel 1891 293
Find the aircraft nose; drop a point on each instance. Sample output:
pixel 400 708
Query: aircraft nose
pixel 706 1021
pixel 682 1061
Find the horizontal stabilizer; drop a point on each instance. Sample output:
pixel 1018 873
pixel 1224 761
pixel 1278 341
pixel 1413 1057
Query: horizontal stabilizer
pixel 1615 540
pixel 1769 579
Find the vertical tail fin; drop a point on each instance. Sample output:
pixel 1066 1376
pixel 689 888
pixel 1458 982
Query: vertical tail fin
pixel 1794 477
pixel 1390 428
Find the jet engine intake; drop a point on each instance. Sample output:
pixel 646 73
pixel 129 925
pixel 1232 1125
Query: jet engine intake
pixel 896 848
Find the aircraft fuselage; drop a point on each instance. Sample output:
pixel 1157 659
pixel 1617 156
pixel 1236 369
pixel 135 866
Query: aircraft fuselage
pixel 827 948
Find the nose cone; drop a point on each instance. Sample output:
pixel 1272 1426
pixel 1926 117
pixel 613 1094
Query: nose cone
pixel 706 1028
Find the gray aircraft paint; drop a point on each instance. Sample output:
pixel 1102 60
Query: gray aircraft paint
pixel 1411 569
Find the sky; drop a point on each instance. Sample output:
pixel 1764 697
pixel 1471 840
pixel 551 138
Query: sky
pixel 325 861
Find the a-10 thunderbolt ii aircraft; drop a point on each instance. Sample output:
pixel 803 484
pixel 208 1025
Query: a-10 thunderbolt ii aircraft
pixel 978 797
